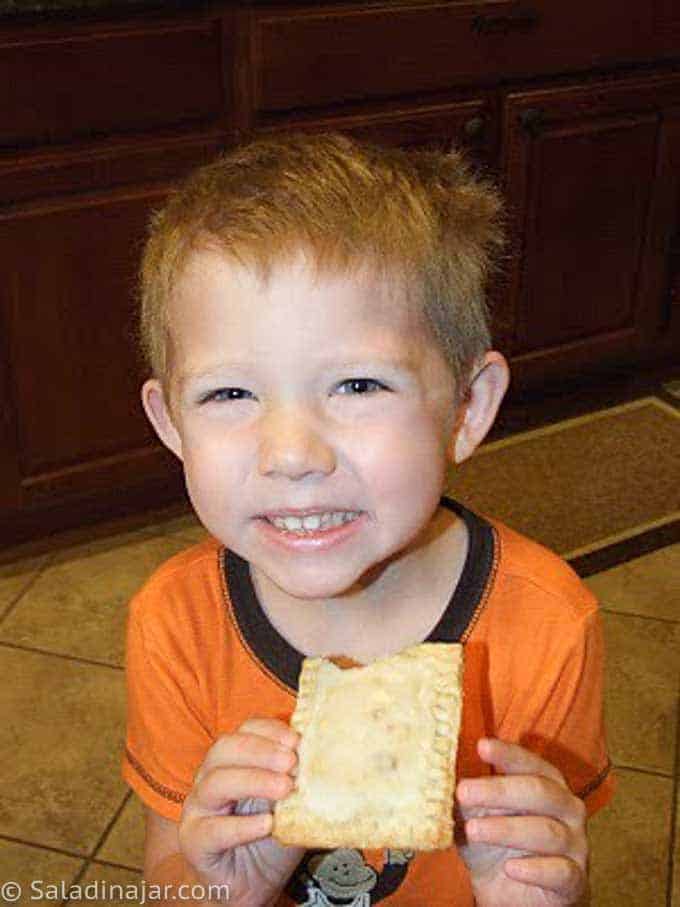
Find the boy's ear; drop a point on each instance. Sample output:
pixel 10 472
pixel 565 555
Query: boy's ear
pixel 477 412
pixel 158 413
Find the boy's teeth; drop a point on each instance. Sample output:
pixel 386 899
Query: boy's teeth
pixel 314 521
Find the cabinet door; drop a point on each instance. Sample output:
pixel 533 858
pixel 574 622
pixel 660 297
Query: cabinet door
pixel 70 371
pixel 589 194
pixel 70 286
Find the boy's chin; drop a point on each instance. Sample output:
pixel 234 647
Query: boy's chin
pixel 314 588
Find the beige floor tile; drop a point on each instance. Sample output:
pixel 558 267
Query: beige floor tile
pixel 77 606
pixel 34 869
pixel 629 843
pixel 111 885
pixel 61 739
pixel 125 842
pixel 675 886
pixel 641 695
pixel 16 577
pixel 649 585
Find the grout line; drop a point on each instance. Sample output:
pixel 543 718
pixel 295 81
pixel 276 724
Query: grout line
pixel 611 610
pixel 655 773
pixel 99 862
pixel 29 585
pixel 110 824
pixel 125 866
pixel 47 847
pixel 76 880
pixel 76 658
pixel 88 859
pixel 674 815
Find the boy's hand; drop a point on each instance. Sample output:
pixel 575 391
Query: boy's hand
pixel 524 834
pixel 226 822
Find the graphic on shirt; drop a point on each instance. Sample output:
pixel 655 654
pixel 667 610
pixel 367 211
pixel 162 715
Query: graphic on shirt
pixel 343 877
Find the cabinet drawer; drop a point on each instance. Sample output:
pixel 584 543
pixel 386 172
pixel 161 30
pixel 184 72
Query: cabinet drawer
pixel 305 58
pixel 44 173
pixel 468 123
pixel 67 87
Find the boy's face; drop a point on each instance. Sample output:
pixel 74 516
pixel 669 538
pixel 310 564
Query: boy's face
pixel 304 396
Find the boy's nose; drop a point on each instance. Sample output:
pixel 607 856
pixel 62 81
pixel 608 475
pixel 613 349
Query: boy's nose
pixel 291 445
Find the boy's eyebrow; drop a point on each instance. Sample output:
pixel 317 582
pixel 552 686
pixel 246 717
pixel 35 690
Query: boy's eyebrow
pixel 215 372
pixel 401 362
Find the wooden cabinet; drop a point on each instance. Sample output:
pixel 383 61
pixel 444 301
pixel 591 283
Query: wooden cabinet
pixel 573 108
pixel 98 121
pixel 592 174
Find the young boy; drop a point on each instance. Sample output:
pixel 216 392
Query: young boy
pixel 313 312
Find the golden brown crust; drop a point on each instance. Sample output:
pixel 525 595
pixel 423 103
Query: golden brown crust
pixel 377 754
pixel 343 661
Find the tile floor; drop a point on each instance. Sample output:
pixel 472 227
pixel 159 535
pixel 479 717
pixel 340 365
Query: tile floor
pixel 66 817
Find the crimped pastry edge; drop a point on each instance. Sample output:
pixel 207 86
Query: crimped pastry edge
pixel 295 825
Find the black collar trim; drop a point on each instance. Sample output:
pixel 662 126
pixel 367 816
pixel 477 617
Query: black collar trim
pixel 284 662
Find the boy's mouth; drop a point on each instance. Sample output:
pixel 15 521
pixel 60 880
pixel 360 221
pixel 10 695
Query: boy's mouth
pixel 312 522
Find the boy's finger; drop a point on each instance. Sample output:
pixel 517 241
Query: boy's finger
pixel 273 729
pixel 512 759
pixel 247 750
pixel 214 835
pixel 520 794
pixel 559 874
pixel 535 834
pixel 220 788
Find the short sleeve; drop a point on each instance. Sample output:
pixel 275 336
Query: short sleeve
pixel 167 735
pixel 566 703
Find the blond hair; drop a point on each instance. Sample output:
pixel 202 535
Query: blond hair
pixel 419 219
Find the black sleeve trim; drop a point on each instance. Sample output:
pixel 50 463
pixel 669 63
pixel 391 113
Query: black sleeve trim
pixel 159 788
pixel 595 783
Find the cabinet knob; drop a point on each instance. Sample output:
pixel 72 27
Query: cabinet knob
pixel 521 19
pixel 532 120
pixel 474 129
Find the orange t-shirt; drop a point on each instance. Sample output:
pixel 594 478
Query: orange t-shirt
pixel 202 658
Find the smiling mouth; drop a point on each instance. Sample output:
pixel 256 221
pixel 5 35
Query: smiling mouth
pixel 315 522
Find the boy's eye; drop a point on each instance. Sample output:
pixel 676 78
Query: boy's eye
pixel 360 386
pixel 225 393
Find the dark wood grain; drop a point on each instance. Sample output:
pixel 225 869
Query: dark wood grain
pixel 60 88
pixel 582 171
pixel 313 56
pixel 573 107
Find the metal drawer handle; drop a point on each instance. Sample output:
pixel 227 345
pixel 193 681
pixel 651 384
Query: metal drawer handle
pixel 533 120
pixel 474 129
pixel 514 20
